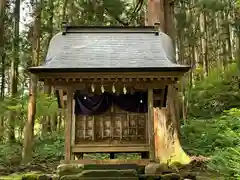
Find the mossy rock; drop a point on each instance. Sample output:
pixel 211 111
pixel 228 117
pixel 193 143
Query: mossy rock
pixel 188 175
pixel 69 169
pixel 171 176
pixel 155 168
pixel 130 174
pixel 55 177
pixel 30 176
pixel 109 173
pixel 109 166
pixel 141 169
pixel 34 176
pixel 149 177
pixel 76 177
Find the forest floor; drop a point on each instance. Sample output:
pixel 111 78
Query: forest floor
pixel 49 151
pixel 40 165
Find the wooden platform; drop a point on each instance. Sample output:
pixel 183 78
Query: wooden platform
pixel 143 162
pixel 105 148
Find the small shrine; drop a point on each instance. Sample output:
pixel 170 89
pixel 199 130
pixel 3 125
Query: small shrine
pixel 113 77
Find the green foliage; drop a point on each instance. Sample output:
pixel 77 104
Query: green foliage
pixel 218 92
pixel 227 162
pixel 218 138
pixel 211 5
pixel 10 153
pixel 49 148
pixel 46 105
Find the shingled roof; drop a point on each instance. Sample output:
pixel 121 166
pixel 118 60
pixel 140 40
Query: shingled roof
pixel 94 49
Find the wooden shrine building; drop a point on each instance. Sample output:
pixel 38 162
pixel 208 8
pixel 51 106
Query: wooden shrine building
pixel 113 78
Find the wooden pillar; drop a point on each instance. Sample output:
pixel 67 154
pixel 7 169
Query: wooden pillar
pixel 73 130
pixel 68 123
pixel 151 126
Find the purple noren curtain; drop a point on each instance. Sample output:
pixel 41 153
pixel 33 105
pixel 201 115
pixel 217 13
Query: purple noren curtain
pixel 136 102
pixel 98 104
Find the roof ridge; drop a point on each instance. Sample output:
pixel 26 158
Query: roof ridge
pixel 108 29
pixel 122 27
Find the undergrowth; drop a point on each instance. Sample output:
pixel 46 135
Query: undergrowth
pixel 213 128
pixel 217 138
pixel 219 91
pixel 46 150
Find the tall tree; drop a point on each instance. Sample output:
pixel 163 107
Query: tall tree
pixel 14 71
pixel 168 147
pixel 2 59
pixel 2 20
pixel 29 126
pixel 203 27
pixel 49 122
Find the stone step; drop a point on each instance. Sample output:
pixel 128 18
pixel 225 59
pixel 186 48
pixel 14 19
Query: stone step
pixel 100 178
pixel 110 166
pixel 72 169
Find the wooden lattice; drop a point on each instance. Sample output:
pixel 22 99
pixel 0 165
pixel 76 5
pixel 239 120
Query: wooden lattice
pixel 114 126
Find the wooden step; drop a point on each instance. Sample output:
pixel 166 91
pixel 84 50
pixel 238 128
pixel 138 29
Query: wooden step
pixel 142 162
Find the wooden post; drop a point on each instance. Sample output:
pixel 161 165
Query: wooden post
pixel 68 120
pixel 151 126
pixel 73 122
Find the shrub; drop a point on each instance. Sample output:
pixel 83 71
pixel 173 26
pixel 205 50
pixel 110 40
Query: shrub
pixel 218 138
pixel 218 92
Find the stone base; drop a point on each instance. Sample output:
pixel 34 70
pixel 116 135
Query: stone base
pixel 94 171
pixel 99 178
pixel 120 171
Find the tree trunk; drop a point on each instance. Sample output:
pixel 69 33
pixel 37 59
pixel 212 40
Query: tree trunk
pixel 2 60
pixel 166 122
pixel 238 49
pixel 2 95
pixel 203 30
pixel 48 89
pixel 64 17
pixel 2 20
pixel 169 149
pixel 14 71
pixel 29 126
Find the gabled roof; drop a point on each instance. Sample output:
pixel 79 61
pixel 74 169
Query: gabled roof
pixel 94 49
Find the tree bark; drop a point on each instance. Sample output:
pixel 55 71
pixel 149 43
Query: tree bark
pixel 14 71
pixel 203 29
pixel 64 17
pixel 169 149
pixel 29 126
pixel 166 120
pixel 2 95
pixel 2 21
pixel 2 60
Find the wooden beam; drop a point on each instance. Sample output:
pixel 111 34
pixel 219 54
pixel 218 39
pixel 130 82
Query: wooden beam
pixel 110 148
pixel 108 161
pixel 151 125
pixel 68 120
pixel 108 85
pixel 111 75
